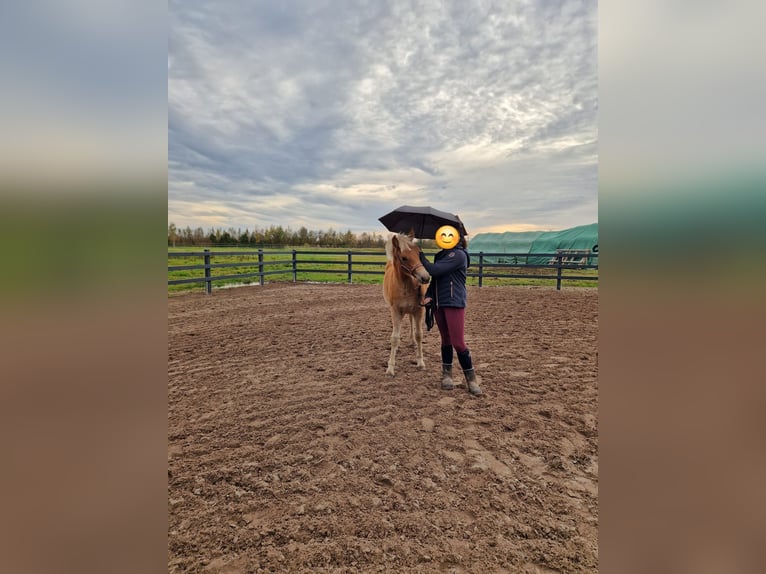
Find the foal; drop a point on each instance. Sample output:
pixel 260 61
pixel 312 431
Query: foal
pixel 401 290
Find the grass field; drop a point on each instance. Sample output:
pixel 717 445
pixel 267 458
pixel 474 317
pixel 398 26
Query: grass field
pixel 328 265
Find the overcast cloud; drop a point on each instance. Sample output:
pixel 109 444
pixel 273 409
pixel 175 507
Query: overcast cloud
pixel 329 114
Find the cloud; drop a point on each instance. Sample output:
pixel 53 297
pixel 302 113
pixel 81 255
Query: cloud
pixel 487 110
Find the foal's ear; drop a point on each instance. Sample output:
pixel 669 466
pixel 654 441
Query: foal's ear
pixel 411 233
pixel 395 242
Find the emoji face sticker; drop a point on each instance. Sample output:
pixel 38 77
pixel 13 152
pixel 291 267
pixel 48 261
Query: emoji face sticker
pixel 447 237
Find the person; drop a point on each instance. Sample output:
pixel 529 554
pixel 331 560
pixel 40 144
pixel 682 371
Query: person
pixel 448 294
pixel 425 299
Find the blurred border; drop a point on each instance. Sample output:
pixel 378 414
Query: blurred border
pixel 83 203
pixel 682 204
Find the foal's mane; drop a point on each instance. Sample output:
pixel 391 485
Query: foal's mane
pixel 405 243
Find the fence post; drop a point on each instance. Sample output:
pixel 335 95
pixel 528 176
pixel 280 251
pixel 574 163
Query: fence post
pixel 481 268
pixel 558 272
pixel 295 266
pixel 208 282
pixel 349 266
pixel 260 267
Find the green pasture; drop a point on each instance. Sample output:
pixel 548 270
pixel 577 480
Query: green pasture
pixel 331 266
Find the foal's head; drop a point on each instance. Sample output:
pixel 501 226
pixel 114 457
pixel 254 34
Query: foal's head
pixel 402 250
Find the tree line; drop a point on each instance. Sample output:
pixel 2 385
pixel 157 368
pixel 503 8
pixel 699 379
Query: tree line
pixel 273 236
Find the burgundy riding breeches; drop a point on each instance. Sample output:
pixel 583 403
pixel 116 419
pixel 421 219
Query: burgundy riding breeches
pixel 451 323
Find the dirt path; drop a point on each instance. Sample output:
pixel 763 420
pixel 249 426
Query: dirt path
pixel 289 450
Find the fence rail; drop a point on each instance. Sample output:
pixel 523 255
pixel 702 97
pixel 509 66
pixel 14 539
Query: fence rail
pixel 486 263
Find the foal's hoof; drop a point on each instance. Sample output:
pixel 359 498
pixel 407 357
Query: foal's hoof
pixel 390 372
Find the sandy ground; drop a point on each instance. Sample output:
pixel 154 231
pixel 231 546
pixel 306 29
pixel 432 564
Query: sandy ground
pixel 290 450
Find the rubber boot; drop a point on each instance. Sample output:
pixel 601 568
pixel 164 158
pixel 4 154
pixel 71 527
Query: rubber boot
pixel 470 375
pixel 447 383
pixel 473 386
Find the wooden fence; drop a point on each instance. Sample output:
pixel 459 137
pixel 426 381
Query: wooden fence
pixel 483 265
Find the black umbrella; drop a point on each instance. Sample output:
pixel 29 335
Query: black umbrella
pixel 424 221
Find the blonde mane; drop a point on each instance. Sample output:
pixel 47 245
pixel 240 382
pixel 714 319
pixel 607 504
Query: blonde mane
pixel 405 244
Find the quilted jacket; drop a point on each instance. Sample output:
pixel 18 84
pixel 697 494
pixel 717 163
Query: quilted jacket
pixel 448 273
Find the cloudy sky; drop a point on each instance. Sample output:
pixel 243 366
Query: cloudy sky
pixel 330 113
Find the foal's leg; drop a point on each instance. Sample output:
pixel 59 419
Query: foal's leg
pixel 418 325
pixel 396 319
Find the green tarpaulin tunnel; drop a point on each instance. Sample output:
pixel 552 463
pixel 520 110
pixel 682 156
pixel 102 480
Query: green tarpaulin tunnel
pixel 583 237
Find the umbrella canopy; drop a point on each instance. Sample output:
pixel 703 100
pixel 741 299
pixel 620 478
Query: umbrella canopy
pixel 424 221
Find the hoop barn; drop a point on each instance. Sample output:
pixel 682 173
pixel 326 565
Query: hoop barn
pixel 290 450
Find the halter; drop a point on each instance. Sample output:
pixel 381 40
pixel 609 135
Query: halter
pixel 411 270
